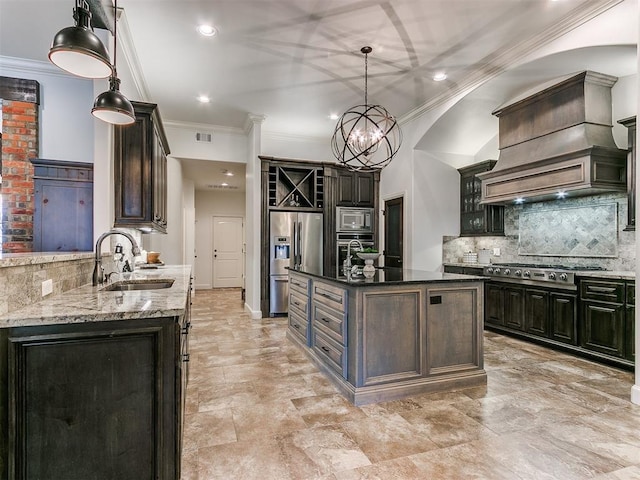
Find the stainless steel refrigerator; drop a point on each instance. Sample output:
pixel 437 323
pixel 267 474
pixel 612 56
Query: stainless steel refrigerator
pixel 296 240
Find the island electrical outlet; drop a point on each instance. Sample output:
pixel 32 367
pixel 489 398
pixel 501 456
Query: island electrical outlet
pixel 47 287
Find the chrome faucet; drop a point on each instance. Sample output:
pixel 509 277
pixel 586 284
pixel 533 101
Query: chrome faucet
pixel 98 271
pixel 347 262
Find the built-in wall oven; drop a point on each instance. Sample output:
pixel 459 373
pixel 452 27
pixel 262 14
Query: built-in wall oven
pixel 342 248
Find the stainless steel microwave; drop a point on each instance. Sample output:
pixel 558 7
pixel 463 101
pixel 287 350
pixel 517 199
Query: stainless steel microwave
pixel 350 219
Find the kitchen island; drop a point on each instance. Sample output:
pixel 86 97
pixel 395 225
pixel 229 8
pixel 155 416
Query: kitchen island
pixel 92 381
pixel 400 333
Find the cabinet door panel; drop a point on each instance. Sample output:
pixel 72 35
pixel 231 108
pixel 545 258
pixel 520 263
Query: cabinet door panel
pixel 364 190
pixel 603 328
pixel 494 300
pixel 564 318
pixel 106 397
pixel 537 312
pixel 514 308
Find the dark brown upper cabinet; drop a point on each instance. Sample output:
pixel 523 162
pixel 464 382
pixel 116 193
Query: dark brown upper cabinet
pixel 140 170
pixel 477 219
pixel 356 189
pixel 630 123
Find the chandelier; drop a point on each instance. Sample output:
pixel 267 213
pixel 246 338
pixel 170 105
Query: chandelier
pixel 366 137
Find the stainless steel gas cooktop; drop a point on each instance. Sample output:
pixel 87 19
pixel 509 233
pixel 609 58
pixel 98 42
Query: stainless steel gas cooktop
pixel 537 274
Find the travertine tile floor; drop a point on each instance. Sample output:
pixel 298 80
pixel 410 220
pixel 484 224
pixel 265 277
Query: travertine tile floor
pixel 258 409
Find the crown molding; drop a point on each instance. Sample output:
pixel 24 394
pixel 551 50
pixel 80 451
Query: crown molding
pixel 125 41
pixel 508 56
pixel 35 66
pixel 290 137
pixel 204 126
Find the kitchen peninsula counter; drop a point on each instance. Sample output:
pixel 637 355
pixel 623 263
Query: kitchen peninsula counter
pixel 96 375
pixel 399 333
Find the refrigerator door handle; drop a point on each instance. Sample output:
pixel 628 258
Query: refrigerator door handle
pixel 294 252
pixel 299 246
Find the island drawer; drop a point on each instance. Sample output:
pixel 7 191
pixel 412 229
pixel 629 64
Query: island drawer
pixel 299 284
pixel 299 302
pixel 329 322
pixel 298 325
pixel 332 354
pixel 330 296
pixel 604 291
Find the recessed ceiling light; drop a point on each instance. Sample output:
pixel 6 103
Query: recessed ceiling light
pixel 334 116
pixel 204 99
pixel 561 194
pixel 519 201
pixel 227 173
pixel 440 76
pixel 224 184
pixel 207 30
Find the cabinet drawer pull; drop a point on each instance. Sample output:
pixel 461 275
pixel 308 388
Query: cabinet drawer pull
pixel 296 304
pixel 295 325
pixel 330 297
pixel 185 357
pixel 326 320
pixel 601 289
pixel 325 349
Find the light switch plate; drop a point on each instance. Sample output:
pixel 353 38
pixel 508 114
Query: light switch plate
pixel 496 251
pixel 47 287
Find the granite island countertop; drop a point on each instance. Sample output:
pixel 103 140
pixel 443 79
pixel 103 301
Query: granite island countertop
pixel 94 304
pixel 395 276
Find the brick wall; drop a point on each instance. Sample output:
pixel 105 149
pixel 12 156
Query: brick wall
pixel 19 144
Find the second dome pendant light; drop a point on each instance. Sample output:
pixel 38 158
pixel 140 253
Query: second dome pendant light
pixel 112 106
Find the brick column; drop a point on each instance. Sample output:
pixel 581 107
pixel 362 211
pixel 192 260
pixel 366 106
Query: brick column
pixel 19 144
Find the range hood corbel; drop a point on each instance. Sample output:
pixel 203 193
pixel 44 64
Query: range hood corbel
pixel 558 140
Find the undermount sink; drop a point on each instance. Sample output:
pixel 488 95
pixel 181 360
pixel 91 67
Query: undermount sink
pixel 147 284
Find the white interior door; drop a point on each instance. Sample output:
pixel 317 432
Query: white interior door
pixel 227 251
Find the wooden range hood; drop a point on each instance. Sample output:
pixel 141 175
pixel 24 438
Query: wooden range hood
pixel 557 140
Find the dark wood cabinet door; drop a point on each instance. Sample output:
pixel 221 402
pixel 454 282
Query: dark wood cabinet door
pixel 537 312
pixel 346 189
pixel 364 195
pixel 603 327
pixel 630 319
pixel 494 304
pixel 477 219
pixel 564 327
pixel 94 401
pixel 140 171
pixel 514 308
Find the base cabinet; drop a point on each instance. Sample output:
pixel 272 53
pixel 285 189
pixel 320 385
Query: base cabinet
pixel 597 323
pixel 96 400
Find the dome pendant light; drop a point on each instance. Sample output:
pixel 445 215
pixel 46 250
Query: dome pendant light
pixel 112 106
pixel 78 50
pixel 367 137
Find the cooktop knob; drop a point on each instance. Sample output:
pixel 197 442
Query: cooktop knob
pixel 563 277
pixel 490 270
pixel 552 276
pixel 526 273
pixel 517 273
pixel 507 271
pixel 496 270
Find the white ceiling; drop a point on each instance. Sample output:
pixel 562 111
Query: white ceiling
pixel 298 61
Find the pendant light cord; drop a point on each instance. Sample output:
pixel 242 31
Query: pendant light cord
pixel 115 36
pixel 366 69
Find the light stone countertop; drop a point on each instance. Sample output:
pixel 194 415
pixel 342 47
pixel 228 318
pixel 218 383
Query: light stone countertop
pixel 31 258
pixel 612 275
pixel 92 304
